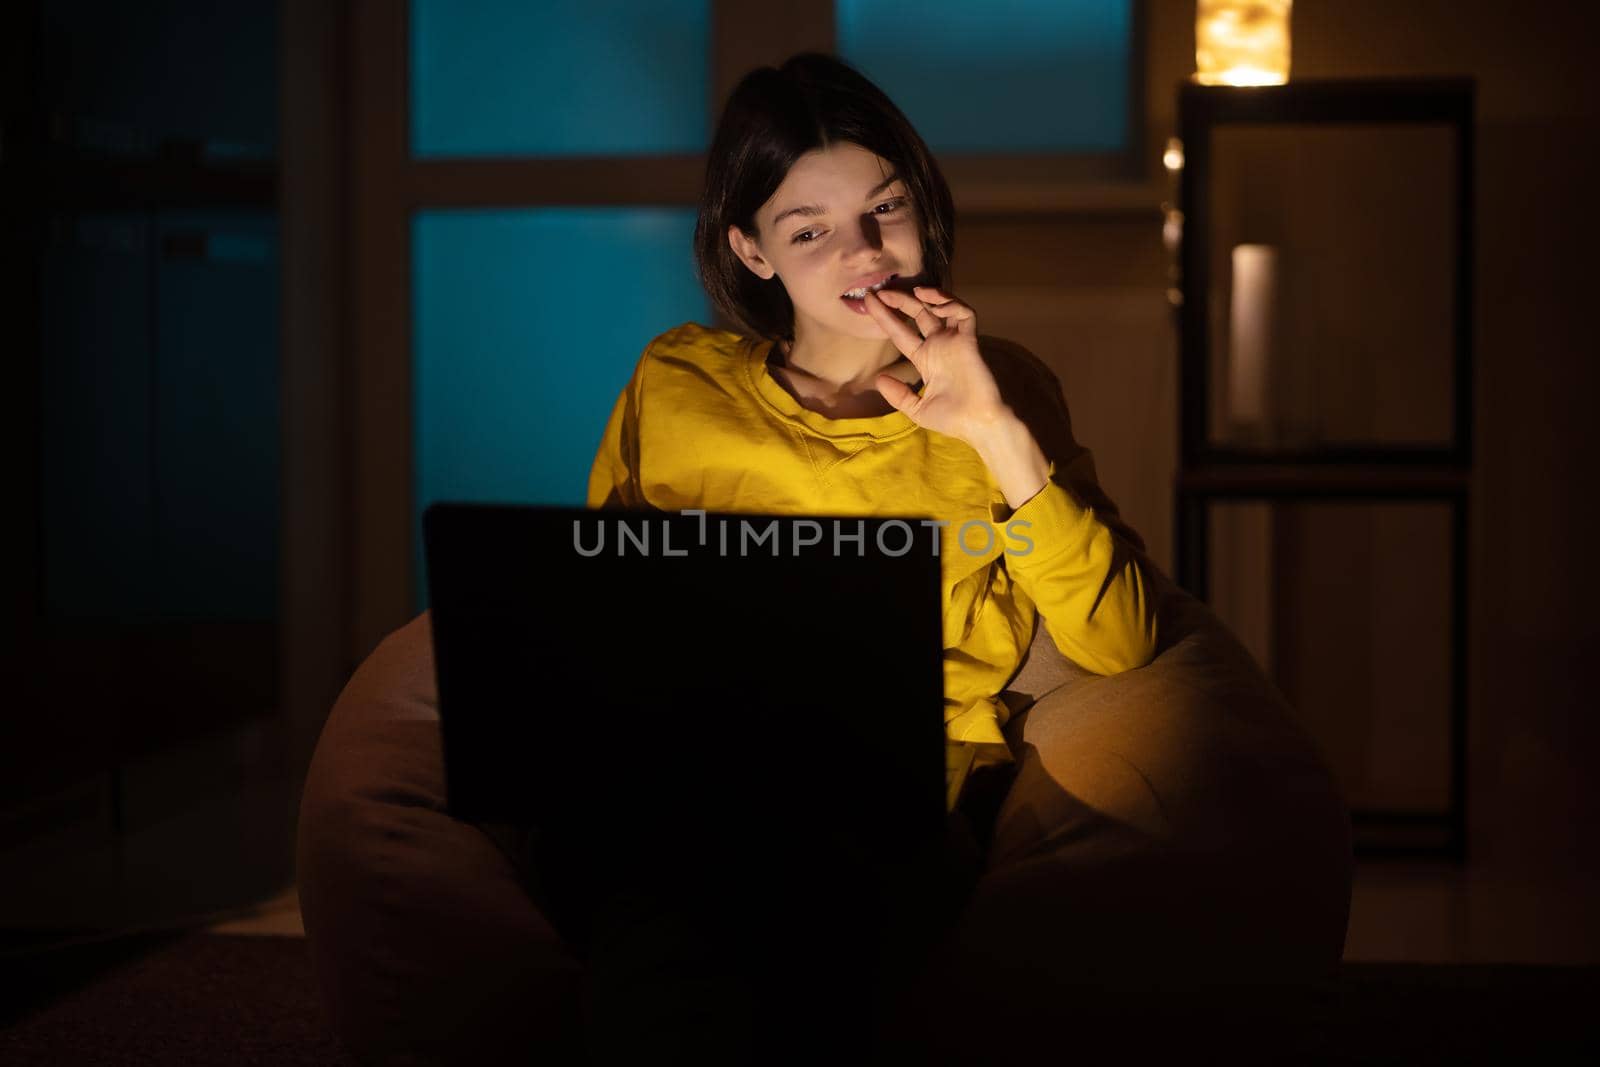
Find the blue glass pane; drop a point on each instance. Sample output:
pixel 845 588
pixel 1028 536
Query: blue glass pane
pixel 122 78
pixel 97 494
pixel 1019 76
pixel 528 323
pixel 216 392
pixel 159 417
pixel 520 78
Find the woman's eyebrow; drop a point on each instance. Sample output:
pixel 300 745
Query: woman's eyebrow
pixel 811 210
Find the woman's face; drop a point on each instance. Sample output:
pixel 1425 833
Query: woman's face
pixel 858 223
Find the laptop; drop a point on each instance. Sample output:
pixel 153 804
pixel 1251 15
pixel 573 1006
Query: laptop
pixel 727 695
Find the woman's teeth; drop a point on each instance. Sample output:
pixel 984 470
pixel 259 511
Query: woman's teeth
pixel 861 294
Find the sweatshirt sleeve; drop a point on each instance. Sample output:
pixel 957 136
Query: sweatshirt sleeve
pixel 1083 567
pixel 614 476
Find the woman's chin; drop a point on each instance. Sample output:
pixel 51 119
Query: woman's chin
pixel 863 326
pixel 854 324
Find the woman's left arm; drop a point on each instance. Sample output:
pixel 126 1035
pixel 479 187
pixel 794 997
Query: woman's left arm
pixel 1089 584
pixel 1067 548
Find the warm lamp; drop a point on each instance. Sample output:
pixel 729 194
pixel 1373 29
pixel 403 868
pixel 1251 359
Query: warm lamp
pixel 1241 42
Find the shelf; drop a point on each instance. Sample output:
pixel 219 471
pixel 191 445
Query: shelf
pixel 1240 187
pixel 984 197
pixel 111 185
pixel 1284 479
pixel 1352 100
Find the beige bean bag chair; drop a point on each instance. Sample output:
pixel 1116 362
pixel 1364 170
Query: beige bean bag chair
pixel 1169 828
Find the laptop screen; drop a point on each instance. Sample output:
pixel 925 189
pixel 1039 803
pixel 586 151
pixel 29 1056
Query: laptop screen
pixel 715 680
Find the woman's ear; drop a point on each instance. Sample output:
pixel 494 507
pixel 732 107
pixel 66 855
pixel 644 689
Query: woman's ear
pixel 749 253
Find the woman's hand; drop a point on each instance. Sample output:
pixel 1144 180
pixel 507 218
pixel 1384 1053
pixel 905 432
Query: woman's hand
pixel 959 398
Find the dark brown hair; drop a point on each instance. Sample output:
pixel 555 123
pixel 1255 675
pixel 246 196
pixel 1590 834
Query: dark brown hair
pixel 773 117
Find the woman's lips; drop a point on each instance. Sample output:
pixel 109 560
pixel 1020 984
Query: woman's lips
pixel 859 306
pixel 872 281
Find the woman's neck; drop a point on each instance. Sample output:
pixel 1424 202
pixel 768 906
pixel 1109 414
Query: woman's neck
pixel 846 396
pixel 842 367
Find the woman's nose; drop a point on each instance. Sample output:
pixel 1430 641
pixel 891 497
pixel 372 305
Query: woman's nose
pixel 865 234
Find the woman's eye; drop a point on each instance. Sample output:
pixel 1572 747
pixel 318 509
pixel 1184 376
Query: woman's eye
pixel 894 205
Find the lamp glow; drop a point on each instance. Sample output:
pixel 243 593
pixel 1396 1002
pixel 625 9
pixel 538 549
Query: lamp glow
pixel 1172 158
pixel 1241 42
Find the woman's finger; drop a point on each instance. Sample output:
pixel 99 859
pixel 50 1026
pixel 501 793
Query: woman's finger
pixel 950 312
pixel 954 313
pixel 926 321
pixel 943 304
pixel 907 340
pixel 896 392
pixel 932 295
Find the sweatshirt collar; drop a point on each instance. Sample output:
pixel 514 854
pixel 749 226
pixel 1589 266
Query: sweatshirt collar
pixel 776 397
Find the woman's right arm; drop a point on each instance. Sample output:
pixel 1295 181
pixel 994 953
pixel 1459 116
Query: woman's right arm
pixel 614 477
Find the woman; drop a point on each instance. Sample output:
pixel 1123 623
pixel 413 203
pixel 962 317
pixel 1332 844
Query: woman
pixel 859 384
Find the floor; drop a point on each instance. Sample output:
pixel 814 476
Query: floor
pixel 277 917
pixel 1473 916
pixel 1398 913
pixel 1525 895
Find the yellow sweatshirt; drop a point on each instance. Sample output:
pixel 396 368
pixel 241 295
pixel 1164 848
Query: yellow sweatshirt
pixel 702 424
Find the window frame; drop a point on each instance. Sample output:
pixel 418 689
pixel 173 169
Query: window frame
pixel 385 187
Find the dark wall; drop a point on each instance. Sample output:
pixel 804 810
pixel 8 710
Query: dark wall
pixel 142 330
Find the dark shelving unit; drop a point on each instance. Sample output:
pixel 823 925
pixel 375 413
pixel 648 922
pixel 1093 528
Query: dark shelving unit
pixel 1339 472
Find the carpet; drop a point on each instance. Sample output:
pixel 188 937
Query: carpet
pixel 169 998
pixel 198 998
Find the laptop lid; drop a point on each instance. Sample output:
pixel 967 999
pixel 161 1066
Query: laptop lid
pixel 670 686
